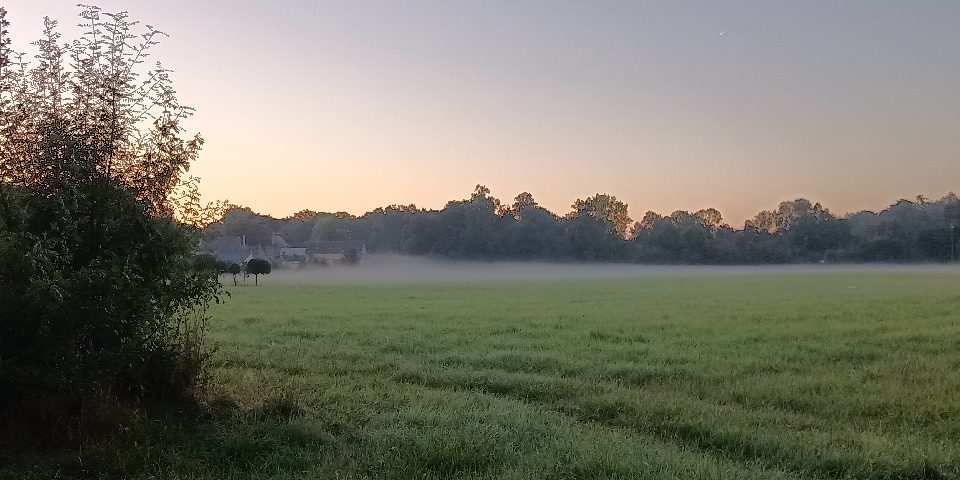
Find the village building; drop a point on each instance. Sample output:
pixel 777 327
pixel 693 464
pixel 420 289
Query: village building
pixel 236 250
pixel 297 254
pixel 336 251
pixel 280 253
pixel 229 249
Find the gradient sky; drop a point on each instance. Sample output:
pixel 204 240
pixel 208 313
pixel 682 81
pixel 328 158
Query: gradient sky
pixel 668 105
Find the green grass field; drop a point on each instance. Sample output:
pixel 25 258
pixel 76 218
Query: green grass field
pixel 730 377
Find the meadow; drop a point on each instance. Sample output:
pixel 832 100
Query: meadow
pixel 760 376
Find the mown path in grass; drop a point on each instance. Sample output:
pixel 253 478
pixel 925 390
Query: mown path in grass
pixel 749 376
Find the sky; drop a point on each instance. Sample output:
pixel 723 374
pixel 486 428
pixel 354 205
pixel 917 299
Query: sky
pixel 735 105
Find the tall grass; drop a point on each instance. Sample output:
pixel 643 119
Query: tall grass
pixel 767 376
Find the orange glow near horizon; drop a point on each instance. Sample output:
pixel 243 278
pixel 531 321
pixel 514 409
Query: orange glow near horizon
pixel 348 106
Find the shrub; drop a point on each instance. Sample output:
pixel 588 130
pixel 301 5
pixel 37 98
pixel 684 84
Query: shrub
pixel 206 262
pixel 234 269
pixel 257 267
pixel 101 295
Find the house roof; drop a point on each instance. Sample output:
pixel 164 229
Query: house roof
pixel 258 253
pixel 330 247
pixel 229 249
pixel 225 243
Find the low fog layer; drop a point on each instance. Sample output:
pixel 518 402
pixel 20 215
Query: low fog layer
pixel 387 269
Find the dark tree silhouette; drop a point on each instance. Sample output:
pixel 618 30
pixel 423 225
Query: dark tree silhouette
pixel 600 229
pixel 99 288
pixel 257 267
pixel 234 270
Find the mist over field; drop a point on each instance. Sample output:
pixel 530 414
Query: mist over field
pixel 401 269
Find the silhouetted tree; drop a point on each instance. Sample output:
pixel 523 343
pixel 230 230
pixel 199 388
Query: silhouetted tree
pixel 606 208
pixel 99 287
pixel 522 201
pixel 234 270
pixel 599 229
pixel 257 267
pixel 711 218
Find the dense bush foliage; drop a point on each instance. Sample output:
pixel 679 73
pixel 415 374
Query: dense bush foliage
pixel 105 306
pixel 100 294
pixel 598 229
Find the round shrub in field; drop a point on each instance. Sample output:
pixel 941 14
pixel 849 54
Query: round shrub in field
pixel 257 267
pixel 234 269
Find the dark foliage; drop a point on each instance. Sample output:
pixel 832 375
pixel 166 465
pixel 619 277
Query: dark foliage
pixel 102 298
pixel 257 267
pixel 598 229
pixel 234 269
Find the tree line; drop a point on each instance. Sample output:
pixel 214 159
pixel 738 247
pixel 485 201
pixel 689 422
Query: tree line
pixel 599 228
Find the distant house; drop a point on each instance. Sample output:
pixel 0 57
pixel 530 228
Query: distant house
pixel 293 254
pixel 336 251
pixel 293 251
pixel 236 250
pixel 229 249
pixel 279 252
